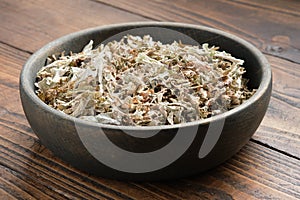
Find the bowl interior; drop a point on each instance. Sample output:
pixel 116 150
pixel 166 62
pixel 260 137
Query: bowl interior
pixel 255 63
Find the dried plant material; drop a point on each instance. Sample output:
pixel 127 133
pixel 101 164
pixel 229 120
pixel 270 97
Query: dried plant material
pixel 138 81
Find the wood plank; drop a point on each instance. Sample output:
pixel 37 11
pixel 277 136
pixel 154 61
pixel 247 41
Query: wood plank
pixel 291 7
pixel 271 30
pixel 14 190
pixel 6 196
pixel 38 167
pixel 20 186
pixel 11 65
pixel 39 22
pixel 29 174
pixel 254 173
pixel 281 125
pixel 242 172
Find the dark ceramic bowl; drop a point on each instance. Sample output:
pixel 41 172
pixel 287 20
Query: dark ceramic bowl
pixel 148 153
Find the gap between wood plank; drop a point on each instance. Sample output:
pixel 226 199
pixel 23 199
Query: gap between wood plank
pixel 67 179
pixel 283 58
pixel 274 149
pixel 17 48
pixel 122 9
pixel 254 5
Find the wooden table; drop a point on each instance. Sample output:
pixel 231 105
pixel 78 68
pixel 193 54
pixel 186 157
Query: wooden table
pixel 268 167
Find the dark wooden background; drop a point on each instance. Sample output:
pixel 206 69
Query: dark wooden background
pixel 268 167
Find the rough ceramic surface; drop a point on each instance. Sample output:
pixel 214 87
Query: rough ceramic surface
pixel 65 136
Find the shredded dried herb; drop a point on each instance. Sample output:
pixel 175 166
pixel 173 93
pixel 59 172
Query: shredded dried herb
pixel 138 81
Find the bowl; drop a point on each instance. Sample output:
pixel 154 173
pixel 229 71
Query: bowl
pixel 156 152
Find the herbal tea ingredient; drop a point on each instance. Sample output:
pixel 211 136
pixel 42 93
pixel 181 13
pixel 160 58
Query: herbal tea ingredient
pixel 138 81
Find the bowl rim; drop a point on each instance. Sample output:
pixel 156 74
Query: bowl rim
pixel 264 85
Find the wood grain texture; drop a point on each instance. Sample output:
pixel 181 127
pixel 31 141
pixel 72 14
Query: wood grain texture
pixel 266 25
pixel 5 196
pixel 254 173
pixel 39 22
pixel 267 168
pixel 281 125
